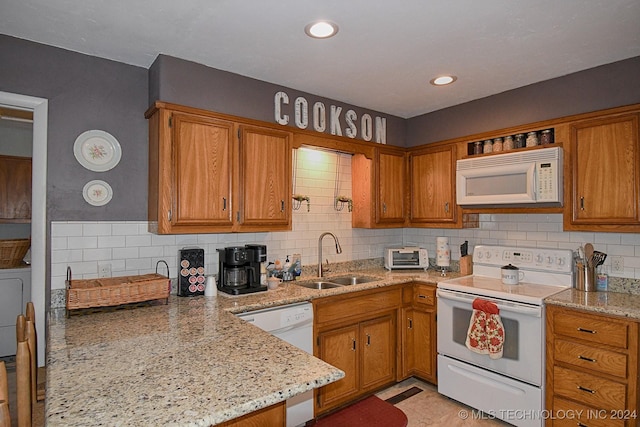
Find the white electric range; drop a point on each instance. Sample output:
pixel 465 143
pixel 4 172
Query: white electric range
pixel 511 387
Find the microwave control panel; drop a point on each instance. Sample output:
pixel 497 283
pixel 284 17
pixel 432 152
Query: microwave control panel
pixel 547 181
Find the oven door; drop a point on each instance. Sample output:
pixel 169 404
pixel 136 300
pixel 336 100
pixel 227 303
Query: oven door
pixel 523 349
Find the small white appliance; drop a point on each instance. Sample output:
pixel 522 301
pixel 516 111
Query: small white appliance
pixel 512 178
pixel 406 257
pixel 512 386
pixel 292 323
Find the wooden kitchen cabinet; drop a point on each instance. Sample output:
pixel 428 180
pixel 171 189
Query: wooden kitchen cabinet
pixel 15 189
pixel 432 187
pixel 379 189
pixel 210 173
pixel 357 334
pixel 418 322
pixel 271 416
pixel 592 369
pixel 604 194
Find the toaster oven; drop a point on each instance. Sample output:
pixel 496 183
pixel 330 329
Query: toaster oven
pixel 406 257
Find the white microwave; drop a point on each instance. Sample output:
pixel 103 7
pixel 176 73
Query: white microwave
pixel 533 176
pixel 406 257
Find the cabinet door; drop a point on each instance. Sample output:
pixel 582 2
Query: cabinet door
pixel 265 178
pixel 201 153
pixel 432 180
pixel 391 173
pixel 378 344
pixel 15 189
pixel 606 171
pixel 419 343
pixel 339 347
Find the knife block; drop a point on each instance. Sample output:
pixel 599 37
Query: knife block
pixel 466 265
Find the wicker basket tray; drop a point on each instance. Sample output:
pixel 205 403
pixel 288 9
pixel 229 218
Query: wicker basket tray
pixel 114 291
pixel 12 252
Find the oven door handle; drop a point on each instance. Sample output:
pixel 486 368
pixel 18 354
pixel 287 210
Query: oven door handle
pixel 502 306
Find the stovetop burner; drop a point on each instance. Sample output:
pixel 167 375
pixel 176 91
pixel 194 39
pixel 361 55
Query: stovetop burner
pixel 546 271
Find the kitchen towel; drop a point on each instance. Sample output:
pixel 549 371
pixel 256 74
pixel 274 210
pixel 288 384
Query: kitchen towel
pixel 486 333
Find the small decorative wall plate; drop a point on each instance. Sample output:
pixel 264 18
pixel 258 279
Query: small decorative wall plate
pixel 97 150
pixel 97 192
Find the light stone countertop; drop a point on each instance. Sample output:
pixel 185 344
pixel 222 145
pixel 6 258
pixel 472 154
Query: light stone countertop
pixel 188 363
pixel 611 303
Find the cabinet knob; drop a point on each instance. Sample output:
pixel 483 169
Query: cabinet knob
pixel 368 340
pixel 353 342
pixel 581 203
pixel 281 205
pixel 384 207
pixel 446 207
pixel 224 203
pixel 410 323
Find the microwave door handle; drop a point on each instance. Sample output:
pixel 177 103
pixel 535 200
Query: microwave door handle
pixel 509 307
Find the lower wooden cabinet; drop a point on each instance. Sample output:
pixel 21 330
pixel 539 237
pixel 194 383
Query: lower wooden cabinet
pixel 271 416
pixel 357 334
pixel 377 337
pixel 418 323
pixel 592 369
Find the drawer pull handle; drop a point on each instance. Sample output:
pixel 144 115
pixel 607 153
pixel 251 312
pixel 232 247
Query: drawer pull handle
pixel 422 296
pixel 586 330
pixel 588 359
pixel 582 425
pixel 354 344
pixel 410 323
pixel 368 340
pixel 586 389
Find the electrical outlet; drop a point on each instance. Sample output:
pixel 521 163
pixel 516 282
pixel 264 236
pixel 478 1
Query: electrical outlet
pixel 617 264
pixel 104 270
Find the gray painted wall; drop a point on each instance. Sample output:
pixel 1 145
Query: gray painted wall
pixel 607 86
pixel 188 83
pixel 84 93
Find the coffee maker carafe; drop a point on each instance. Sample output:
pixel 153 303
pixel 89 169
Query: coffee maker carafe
pixel 239 269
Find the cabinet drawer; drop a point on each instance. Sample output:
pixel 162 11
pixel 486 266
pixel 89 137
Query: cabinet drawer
pixel 572 414
pixel 356 304
pixel 596 359
pixel 587 388
pixel 424 294
pixel 597 329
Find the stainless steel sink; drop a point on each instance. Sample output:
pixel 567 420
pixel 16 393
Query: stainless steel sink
pixel 352 280
pixel 319 285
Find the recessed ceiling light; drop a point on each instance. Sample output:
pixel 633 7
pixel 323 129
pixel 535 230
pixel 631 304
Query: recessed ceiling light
pixel 443 80
pixel 321 29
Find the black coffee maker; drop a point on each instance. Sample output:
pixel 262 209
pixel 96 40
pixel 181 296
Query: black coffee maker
pixel 239 269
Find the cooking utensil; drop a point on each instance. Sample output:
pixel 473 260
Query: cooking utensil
pixel 598 258
pixel 588 252
pixel 464 248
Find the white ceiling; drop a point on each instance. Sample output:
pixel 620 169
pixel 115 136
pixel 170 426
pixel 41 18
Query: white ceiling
pixel 382 58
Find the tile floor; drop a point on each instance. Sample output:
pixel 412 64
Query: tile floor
pixel 428 408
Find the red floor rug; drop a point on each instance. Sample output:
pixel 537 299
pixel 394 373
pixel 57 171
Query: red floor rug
pixel 370 412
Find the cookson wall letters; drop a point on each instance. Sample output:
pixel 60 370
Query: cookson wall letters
pixel 362 128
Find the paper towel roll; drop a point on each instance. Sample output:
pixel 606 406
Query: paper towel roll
pixel 443 254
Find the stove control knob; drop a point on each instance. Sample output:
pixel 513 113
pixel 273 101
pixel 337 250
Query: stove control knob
pixel 560 261
pixel 550 260
pixel 539 258
pixel 488 255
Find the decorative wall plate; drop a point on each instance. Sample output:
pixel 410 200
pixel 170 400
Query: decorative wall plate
pixel 97 150
pixel 97 192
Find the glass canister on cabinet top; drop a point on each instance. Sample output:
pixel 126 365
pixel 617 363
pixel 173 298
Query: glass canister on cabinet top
pixel 507 144
pixel 546 137
pixel 519 141
pixel 477 147
pixel 488 146
pixel 532 139
pixel 497 145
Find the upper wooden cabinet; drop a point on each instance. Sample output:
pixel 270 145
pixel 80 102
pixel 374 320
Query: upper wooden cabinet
pixel 604 192
pixel 15 189
pixel 432 187
pixel 379 189
pixel 209 173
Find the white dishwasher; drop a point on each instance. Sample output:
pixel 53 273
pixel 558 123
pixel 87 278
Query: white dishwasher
pixel 292 323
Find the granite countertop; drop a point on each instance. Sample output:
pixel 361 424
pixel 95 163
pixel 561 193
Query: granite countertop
pixel 612 303
pixel 188 363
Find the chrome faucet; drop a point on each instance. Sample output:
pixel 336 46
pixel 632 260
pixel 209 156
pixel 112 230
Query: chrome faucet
pixel 338 249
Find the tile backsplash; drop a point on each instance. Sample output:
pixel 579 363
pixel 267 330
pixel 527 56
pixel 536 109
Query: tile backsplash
pixel 129 248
